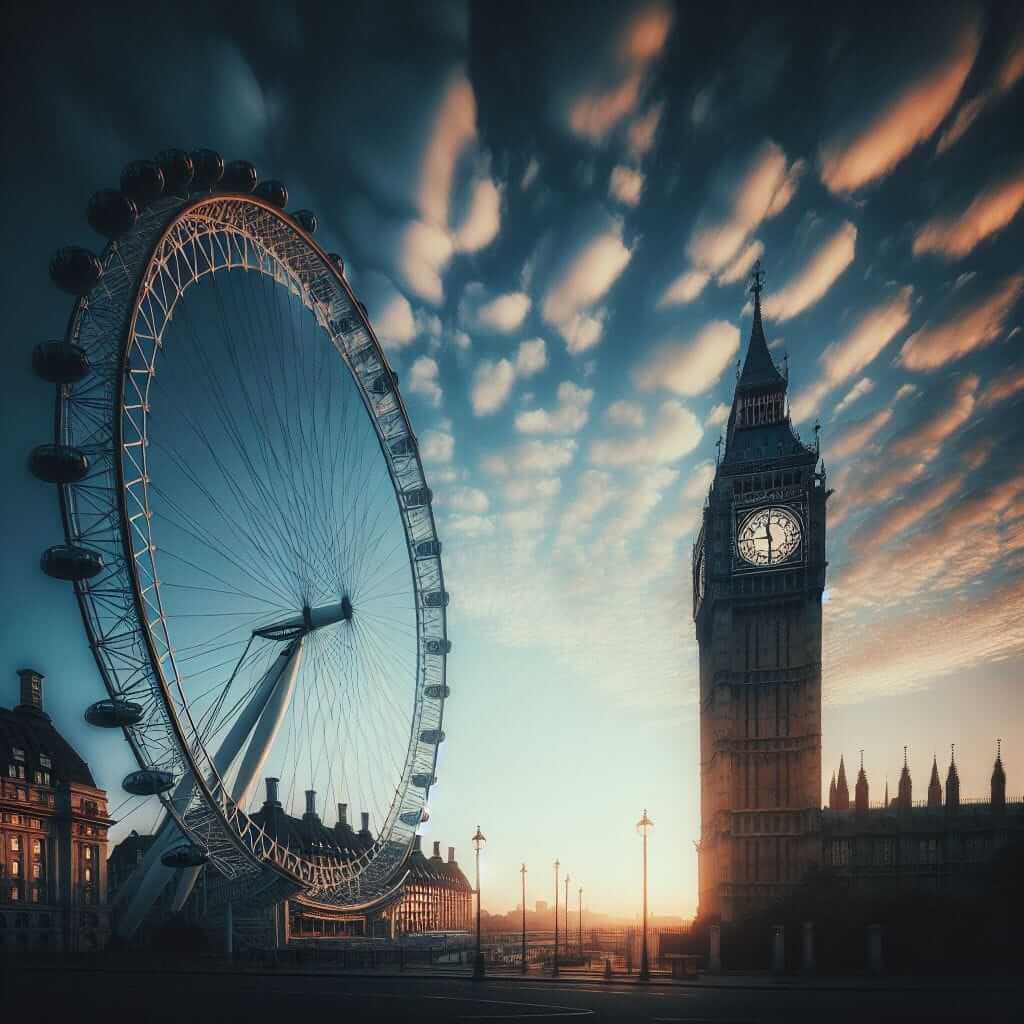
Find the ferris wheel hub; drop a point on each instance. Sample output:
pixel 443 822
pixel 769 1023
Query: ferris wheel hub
pixel 308 621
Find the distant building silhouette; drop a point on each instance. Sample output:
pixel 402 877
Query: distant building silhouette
pixel 53 835
pixel 758 577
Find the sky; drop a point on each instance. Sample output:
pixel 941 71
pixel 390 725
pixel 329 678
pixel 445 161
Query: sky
pixel 550 212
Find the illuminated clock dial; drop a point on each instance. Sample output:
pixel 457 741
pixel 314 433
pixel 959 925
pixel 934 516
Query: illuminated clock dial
pixel 768 536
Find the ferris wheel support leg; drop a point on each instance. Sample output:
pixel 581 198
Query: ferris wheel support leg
pixel 273 706
pixel 155 875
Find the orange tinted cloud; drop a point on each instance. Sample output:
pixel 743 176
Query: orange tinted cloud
pixel 1000 390
pixel 924 440
pixel 972 328
pixel 990 212
pixel 807 287
pixel 851 162
pixel 911 511
pixel 853 439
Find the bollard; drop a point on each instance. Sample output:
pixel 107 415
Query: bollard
pixel 608 967
pixel 807 960
pixel 715 956
pixel 778 949
pixel 875 948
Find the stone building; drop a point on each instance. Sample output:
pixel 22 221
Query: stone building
pixel 758 576
pixel 53 835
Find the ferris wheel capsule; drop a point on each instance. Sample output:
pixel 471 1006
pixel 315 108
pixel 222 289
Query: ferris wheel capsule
pixel 75 270
pixel 239 176
pixel 113 713
pixel 439 647
pixel 58 463
pixel 337 262
pixel 428 549
pixel 111 213
pixel 274 192
pixel 71 562
pixel 415 818
pixel 148 782
pixel 178 170
pixel 207 169
pixel 432 736
pixel 60 362
pixel 306 219
pixel 436 599
pixel 143 182
pixel 423 780
pixel 437 691
pixel 187 855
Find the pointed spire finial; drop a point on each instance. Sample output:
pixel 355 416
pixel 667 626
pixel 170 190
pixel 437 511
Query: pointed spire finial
pixel 999 749
pixel 757 280
pixel 862 760
pixel 904 757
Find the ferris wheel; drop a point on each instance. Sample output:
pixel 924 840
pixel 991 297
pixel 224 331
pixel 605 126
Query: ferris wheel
pixel 249 532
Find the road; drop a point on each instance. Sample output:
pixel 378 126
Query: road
pixel 193 997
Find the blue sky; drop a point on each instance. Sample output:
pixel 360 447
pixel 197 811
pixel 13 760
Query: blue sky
pixel 550 212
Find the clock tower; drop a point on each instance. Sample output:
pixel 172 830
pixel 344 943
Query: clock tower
pixel 758 575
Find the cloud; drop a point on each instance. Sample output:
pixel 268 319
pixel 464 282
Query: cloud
pixel 471 525
pixel 530 458
pixel 1009 74
pixel 973 327
pixel 390 312
pixel 568 416
pixel 830 259
pixel 685 288
pixel 1001 389
pixel 423 380
pixel 644 130
pixel 740 266
pixel 453 131
pixel 424 252
pixel 635 505
pixel 848 356
pixel 625 414
pixel 468 499
pixel 492 384
pixel 585 279
pixel 692 367
pixel 616 86
pixel 519 492
pixel 530 174
pixel 626 185
pixel 698 481
pixel 857 157
pixel 532 357
pixel 909 512
pixel 763 191
pixel 856 436
pixel 674 432
pixel 482 221
pixel 718 415
pixel 594 493
pixel 925 439
pixel 987 214
pixel 437 446
pixel 863 387
pixel 480 310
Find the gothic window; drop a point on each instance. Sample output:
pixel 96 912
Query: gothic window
pixel 44 761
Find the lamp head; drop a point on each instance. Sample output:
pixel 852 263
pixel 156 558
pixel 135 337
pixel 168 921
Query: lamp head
pixel 479 840
pixel 644 825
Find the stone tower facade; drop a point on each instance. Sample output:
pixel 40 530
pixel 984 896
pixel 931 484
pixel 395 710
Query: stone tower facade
pixel 758 576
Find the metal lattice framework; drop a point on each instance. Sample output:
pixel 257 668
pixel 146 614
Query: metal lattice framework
pixel 121 324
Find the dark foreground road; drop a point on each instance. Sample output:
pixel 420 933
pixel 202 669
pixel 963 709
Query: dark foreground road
pixel 193 998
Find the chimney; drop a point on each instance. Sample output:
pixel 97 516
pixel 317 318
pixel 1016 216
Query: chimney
pixel 437 851
pixel 310 803
pixel 31 691
pixel 417 844
pixel 451 854
pixel 343 815
pixel 365 822
pixel 272 798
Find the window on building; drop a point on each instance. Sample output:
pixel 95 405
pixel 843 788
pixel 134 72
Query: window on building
pixel 35 823
pixel 18 754
pixel 16 771
pixel 41 778
pixel 88 875
pixel 37 847
pixel 15 868
pixel 88 853
pixel 37 870
pixel 16 843
pixel 37 894
pixel 44 761
pixel 14 894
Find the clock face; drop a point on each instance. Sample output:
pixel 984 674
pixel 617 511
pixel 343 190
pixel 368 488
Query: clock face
pixel 768 536
pixel 699 575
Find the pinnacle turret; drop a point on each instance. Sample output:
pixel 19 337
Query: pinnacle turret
pixel 952 782
pixel 934 786
pixel 842 788
pixel 860 793
pixel 905 796
pixel 998 780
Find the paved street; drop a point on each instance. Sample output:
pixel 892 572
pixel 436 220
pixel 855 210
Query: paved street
pixel 195 996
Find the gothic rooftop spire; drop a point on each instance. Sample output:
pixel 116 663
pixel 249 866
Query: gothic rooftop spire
pixel 759 369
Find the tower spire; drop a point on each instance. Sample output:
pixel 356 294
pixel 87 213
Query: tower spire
pixel 860 796
pixel 759 371
pixel 934 786
pixel 842 788
pixel 998 780
pixel 905 794
pixel 952 781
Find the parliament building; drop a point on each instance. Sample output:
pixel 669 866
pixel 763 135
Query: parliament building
pixel 759 566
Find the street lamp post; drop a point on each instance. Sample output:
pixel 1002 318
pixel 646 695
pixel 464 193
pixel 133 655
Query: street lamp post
pixel 644 826
pixel 568 944
pixel 580 907
pixel 522 871
pixel 554 961
pixel 479 842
